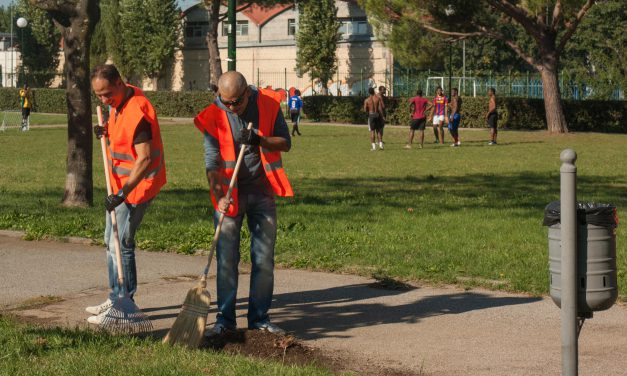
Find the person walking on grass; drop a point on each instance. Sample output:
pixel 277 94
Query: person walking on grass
pixel 440 113
pixel 455 118
pixel 295 105
pixel 374 108
pixel 135 153
pixel 260 178
pixel 25 106
pixel 492 115
pixel 418 106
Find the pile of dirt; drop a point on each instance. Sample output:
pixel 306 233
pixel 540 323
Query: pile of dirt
pixel 261 344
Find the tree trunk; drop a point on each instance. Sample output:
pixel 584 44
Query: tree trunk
pixel 549 55
pixel 215 63
pixel 77 21
pixel 555 120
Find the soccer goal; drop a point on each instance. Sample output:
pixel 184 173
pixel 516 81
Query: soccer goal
pixel 13 119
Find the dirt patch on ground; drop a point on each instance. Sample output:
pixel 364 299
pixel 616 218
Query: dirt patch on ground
pixel 286 349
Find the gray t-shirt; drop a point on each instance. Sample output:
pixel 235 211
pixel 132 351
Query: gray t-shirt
pixel 251 176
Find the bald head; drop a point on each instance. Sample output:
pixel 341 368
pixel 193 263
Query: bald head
pixel 232 84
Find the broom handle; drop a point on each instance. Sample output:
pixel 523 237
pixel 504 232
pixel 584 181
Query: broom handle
pixel 216 236
pixel 114 222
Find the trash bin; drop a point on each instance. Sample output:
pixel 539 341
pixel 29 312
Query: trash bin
pixel 596 255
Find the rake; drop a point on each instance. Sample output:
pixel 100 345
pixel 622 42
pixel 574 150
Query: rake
pixel 124 317
pixel 189 327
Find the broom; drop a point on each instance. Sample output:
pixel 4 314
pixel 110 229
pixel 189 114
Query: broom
pixel 124 317
pixel 189 327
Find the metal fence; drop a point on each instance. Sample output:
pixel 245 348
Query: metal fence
pixel 406 82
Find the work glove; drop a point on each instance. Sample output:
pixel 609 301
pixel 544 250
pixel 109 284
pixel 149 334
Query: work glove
pixel 114 200
pixel 248 137
pixel 100 131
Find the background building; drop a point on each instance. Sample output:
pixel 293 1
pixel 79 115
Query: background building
pixel 266 51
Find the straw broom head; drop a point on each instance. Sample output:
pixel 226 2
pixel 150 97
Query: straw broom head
pixel 189 327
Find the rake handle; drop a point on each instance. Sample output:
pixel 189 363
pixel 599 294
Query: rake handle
pixel 216 236
pixel 114 222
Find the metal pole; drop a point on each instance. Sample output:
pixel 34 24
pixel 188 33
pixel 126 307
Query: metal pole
pixel 568 230
pixel 464 65
pixel 257 76
pixel 12 50
pixel 231 38
pixel 450 68
pixel 361 89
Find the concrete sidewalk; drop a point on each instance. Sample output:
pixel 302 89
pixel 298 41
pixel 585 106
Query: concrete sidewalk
pixel 426 330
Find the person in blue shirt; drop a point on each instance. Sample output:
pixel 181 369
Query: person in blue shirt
pixel 295 104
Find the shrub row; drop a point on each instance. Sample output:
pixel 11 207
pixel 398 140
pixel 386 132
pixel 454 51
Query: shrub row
pixel 167 103
pixel 514 113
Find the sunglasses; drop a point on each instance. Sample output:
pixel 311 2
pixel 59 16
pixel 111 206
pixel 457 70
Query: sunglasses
pixel 234 102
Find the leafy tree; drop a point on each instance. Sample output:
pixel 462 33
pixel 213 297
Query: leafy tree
pixel 548 24
pixel 98 53
pixel 76 20
pixel 316 40
pixel 39 45
pixel 149 30
pixel 597 54
pixel 5 18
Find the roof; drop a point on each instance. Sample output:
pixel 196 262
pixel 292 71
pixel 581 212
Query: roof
pixel 257 14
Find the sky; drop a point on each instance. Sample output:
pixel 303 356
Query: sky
pixel 184 4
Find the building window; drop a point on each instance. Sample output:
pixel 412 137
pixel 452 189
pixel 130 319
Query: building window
pixel 291 26
pixel 353 27
pixel 196 29
pixel 241 28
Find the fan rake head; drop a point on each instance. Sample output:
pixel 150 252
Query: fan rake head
pixel 124 317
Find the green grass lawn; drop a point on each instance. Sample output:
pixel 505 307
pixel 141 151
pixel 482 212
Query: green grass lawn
pixel 470 215
pixel 31 350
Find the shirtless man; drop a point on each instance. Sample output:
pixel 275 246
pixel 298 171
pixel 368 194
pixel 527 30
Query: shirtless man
pixel 492 116
pixel 455 118
pixel 373 106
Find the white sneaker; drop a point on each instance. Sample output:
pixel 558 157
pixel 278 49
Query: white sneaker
pixel 380 145
pixel 217 330
pixel 98 319
pixel 270 327
pixel 96 310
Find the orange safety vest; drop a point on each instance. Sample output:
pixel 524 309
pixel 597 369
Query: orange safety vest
pixel 214 121
pixel 121 150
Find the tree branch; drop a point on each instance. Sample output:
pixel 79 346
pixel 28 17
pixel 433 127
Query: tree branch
pixel 64 7
pixel 572 26
pixel 531 26
pixel 452 33
pixel 513 45
pixel 557 15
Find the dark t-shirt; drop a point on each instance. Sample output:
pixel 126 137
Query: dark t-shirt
pixel 420 104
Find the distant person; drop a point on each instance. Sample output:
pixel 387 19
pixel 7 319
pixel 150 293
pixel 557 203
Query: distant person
pixel 25 106
pixel 492 116
pixel 418 106
pixel 382 95
pixel 295 105
pixel 373 107
pixel 440 113
pixel 455 118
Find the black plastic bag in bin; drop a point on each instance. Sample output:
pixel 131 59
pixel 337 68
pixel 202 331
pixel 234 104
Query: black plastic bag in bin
pixel 602 215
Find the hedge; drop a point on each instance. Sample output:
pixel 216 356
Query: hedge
pixel 167 103
pixel 514 113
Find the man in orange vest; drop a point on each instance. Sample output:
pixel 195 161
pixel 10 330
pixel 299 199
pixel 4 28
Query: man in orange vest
pixel 136 159
pixel 260 178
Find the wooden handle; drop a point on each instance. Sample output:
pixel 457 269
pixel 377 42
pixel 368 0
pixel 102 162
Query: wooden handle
pixel 114 222
pixel 216 236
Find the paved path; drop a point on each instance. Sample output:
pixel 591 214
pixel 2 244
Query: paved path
pixel 436 331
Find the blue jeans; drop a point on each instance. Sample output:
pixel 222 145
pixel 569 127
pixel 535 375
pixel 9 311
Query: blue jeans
pixel 260 211
pixel 129 217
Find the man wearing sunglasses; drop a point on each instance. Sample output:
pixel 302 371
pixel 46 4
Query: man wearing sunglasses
pixel 260 178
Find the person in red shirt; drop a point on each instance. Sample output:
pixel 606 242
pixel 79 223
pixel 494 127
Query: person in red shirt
pixel 418 106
